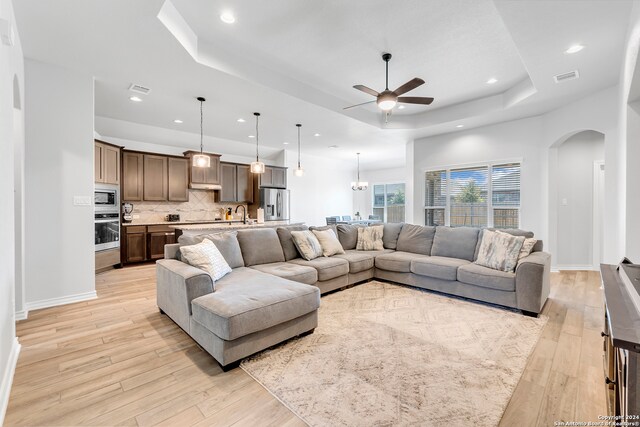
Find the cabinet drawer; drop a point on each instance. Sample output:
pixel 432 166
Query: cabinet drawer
pixel 136 229
pixel 159 229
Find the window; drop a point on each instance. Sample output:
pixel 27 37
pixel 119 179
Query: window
pixel 480 196
pixel 388 202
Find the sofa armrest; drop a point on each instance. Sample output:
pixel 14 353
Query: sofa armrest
pixel 533 281
pixel 178 284
pixel 172 251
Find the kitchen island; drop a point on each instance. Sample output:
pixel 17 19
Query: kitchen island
pixel 220 226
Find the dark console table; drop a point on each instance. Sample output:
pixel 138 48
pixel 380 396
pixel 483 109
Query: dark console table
pixel 621 334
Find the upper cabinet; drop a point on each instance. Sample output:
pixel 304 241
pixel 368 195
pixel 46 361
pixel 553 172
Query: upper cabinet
pixel 273 177
pixel 106 163
pixel 204 178
pixel 154 177
pixel 237 183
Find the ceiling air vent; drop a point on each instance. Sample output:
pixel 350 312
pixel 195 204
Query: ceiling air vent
pixel 571 75
pixel 139 89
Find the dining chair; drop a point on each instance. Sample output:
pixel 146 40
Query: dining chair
pixel 332 220
pixel 346 217
pixel 374 217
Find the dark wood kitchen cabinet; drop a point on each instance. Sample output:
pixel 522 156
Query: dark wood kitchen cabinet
pixel 273 177
pixel 155 180
pixel 237 183
pixel 132 176
pixel 178 179
pixel 157 237
pixel 135 244
pixel 106 163
pixel 202 178
pixel 146 242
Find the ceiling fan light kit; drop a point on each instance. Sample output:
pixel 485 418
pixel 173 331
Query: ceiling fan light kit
pixel 387 99
pixel 257 166
pixel 359 185
pixel 201 160
pixel 298 171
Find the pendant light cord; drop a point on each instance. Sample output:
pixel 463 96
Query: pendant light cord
pixel 257 137
pixel 201 132
pixel 299 126
pixel 358 168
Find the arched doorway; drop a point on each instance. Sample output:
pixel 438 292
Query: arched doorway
pixel 576 198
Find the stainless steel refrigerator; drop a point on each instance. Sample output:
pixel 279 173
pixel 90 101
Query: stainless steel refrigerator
pixel 275 203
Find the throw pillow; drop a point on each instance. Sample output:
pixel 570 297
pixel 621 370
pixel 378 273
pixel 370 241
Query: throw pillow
pixel 329 242
pixel 207 257
pixel 499 251
pixel 307 244
pixel 370 238
pixel 527 248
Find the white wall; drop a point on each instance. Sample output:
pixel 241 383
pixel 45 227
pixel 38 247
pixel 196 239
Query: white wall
pixel 324 189
pixel 362 200
pixel 575 198
pixel 11 119
pixel 517 140
pixel 59 165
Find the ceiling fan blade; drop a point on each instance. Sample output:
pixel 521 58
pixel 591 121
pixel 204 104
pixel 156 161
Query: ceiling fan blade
pixel 357 105
pixel 366 90
pixel 415 100
pixel 410 85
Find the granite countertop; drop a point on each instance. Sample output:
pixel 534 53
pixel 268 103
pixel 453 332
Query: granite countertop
pixel 196 222
pixel 227 225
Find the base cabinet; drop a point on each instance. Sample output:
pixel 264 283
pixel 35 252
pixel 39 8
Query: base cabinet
pixel 146 243
pixel 136 247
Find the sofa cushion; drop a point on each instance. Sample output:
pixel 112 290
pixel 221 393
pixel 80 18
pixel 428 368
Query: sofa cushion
pixel 370 238
pixel 455 242
pixel 286 241
pixel 307 243
pixel 438 267
pixel 329 242
pixel 391 233
pixel 397 261
pixel 485 277
pixel 348 236
pixel 226 242
pixel 260 246
pixel 248 301
pixel 328 268
pixel 416 239
pixel 206 256
pixel 287 270
pixel 499 251
pixel 358 260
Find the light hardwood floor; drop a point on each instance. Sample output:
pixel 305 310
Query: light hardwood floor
pixel 117 361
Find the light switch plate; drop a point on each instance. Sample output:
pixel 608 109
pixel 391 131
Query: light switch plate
pixel 81 200
pixel 564 202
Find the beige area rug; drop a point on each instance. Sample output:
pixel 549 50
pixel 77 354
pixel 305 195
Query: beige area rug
pixel 385 355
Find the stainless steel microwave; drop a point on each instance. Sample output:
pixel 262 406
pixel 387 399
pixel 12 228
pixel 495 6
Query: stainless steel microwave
pixel 106 199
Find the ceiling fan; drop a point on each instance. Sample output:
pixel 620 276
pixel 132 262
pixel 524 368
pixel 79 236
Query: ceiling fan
pixel 387 99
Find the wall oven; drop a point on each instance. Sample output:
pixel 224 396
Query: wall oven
pixel 107 231
pixel 105 198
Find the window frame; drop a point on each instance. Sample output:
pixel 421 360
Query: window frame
pixel 373 197
pixel 490 206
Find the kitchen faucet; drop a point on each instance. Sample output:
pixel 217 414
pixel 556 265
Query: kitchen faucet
pixel 244 213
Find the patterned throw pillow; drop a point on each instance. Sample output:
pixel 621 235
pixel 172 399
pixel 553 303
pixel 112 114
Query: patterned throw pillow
pixel 307 244
pixel 207 257
pixel 370 238
pixel 329 242
pixel 527 247
pixel 499 251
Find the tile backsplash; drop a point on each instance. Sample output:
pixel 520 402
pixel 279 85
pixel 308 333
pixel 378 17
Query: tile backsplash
pixel 200 207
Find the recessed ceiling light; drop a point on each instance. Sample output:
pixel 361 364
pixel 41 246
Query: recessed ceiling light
pixel 401 107
pixel 459 126
pixel 241 120
pixel 252 136
pixel 316 134
pixel 332 146
pixel 227 17
pixel 285 143
pixel 178 121
pixel 135 99
pixel 574 49
pixel 492 80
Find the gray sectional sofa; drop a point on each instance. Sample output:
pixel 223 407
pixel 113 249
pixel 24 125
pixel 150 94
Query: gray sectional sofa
pixel 272 294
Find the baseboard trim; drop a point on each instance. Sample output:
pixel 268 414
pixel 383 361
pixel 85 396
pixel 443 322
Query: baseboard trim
pixel 22 314
pixel 558 268
pixel 7 378
pixel 53 302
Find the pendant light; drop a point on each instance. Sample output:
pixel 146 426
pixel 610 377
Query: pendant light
pixel 298 171
pixel 257 166
pixel 359 185
pixel 201 160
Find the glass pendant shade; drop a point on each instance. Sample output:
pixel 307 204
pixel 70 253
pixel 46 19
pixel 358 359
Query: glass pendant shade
pixel 201 161
pixel 257 167
pixel 298 171
pixel 359 185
